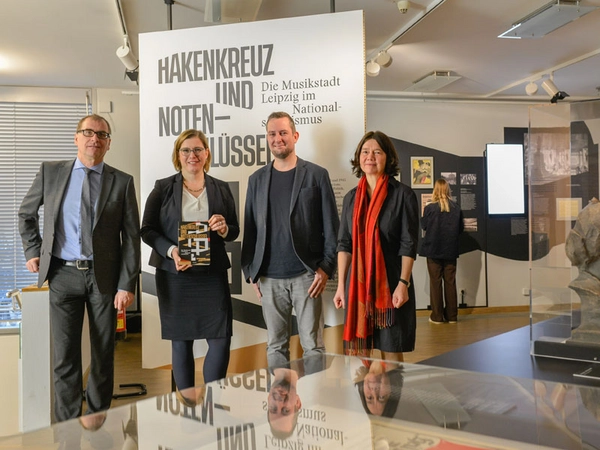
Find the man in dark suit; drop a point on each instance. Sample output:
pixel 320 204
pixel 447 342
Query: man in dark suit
pixel 102 279
pixel 289 246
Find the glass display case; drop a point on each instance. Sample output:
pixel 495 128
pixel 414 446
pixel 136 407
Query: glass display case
pixel 562 178
pixel 342 402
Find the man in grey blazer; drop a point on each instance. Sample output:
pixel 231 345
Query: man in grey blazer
pixel 289 246
pixel 100 281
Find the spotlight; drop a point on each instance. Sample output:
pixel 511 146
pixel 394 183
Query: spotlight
pixel 373 69
pixel 531 88
pixel 552 90
pixel 403 6
pixel 126 56
pixel 384 59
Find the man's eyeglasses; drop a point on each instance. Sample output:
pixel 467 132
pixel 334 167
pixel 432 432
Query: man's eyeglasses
pixel 187 151
pixel 89 133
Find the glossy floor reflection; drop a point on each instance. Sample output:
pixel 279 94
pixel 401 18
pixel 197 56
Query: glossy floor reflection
pixel 337 402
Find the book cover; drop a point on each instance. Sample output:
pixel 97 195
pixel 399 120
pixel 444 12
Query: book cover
pixel 194 243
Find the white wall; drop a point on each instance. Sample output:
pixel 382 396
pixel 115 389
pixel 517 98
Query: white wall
pixel 123 113
pixel 463 129
pixel 9 374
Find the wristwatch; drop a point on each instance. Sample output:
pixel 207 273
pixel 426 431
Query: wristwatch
pixel 403 281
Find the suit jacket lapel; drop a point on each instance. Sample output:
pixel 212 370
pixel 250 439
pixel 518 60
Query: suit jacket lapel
pixel 262 192
pixel 298 180
pixel 177 194
pixel 62 180
pixel 106 183
pixel 211 194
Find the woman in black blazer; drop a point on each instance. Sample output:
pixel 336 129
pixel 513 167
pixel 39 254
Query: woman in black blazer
pixel 194 300
pixel 443 222
pixel 377 246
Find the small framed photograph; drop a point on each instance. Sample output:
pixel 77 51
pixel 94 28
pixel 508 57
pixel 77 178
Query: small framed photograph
pixel 421 169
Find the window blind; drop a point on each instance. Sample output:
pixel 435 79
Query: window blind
pixel 30 133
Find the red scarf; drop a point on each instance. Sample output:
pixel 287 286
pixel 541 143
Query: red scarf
pixel 369 300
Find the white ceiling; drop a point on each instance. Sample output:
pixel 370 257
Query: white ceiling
pixel 72 43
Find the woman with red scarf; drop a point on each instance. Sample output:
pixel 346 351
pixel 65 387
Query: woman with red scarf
pixel 377 246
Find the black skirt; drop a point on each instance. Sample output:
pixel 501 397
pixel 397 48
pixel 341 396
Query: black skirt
pixel 194 304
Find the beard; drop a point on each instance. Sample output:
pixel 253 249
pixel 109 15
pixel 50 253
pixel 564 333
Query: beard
pixel 281 154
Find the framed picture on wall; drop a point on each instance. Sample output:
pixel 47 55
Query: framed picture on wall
pixel 421 169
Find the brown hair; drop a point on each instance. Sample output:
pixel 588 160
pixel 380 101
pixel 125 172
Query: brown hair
pixel 441 194
pixel 94 117
pixel 187 134
pixel 392 164
pixel 282 115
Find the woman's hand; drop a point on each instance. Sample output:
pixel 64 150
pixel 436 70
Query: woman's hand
pixel 400 296
pixel 217 223
pixel 339 299
pixel 180 264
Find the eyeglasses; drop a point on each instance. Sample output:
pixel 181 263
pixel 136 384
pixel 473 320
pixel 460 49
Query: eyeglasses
pixel 89 133
pixel 187 151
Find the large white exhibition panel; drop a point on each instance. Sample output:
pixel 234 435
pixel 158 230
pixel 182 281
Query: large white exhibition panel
pixel 225 80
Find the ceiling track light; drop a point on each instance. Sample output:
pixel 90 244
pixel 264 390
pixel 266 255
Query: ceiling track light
pixel 384 59
pixel 126 55
pixel 531 88
pixel 403 6
pixel 553 91
pixel 373 69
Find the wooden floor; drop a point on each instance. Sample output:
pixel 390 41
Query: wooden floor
pixel 432 340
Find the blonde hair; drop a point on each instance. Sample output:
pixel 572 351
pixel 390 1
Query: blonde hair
pixel 441 194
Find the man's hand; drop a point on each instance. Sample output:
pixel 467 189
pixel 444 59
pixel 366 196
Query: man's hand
pixel 123 299
pixel 257 290
pixel 318 285
pixel 33 265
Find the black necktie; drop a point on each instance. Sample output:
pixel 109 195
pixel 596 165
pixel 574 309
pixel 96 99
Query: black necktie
pixel 86 215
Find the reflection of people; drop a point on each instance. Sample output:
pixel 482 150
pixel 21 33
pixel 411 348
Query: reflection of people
pixel 192 396
pixel 283 402
pixel 443 222
pixel 379 385
pixel 378 239
pixel 194 301
pixel 68 434
pixel 290 231
pixel 100 279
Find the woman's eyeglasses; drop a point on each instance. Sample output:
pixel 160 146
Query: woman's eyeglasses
pixel 188 151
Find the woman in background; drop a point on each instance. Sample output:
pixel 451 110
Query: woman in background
pixel 194 301
pixel 443 222
pixel 377 241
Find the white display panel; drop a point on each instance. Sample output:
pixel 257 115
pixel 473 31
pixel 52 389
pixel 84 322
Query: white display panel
pixel 505 179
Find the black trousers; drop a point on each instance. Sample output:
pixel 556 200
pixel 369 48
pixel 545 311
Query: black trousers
pixel 72 292
pixel 442 270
